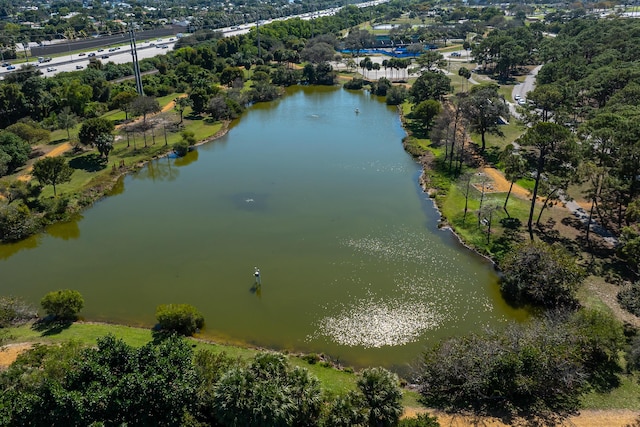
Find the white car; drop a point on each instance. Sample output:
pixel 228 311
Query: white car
pixel 516 97
pixel 522 101
pixel 50 69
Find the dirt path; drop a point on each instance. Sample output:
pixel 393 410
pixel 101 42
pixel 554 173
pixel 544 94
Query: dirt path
pixel 500 184
pixel 25 175
pixel 591 418
pixel 10 352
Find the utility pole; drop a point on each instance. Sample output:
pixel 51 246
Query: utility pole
pixel 134 56
pixel 258 30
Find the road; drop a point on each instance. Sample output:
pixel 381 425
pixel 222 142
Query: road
pixel 521 90
pixel 151 48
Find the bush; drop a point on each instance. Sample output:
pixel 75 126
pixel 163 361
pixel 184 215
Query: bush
pixel 629 298
pixel 184 319
pixel 63 305
pixel 633 355
pixel 14 311
pixel 311 358
pixel 181 148
pixel 422 420
pixel 541 274
pixel 538 371
pixel 354 84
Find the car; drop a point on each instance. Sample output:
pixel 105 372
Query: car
pixel 113 49
pixel 516 97
pixel 522 101
pixel 171 39
pixel 5 64
pixel 79 67
pixel 164 46
pixel 456 54
pixel 92 54
pixel 100 50
pixel 51 69
pixel 11 67
pixel 105 57
pixel 82 54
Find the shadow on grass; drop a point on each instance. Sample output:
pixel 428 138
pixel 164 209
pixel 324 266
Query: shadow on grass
pixel 49 326
pixel 91 162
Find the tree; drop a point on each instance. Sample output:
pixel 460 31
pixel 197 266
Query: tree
pixel 30 132
pixel 531 372
pixel 53 171
pixel 123 101
pixel 357 40
pixel 382 397
pixel 428 61
pixel 554 151
pixel 144 105
pixel 16 151
pixel 426 112
pixel 540 274
pixel 67 120
pixel 92 128
pixel 111 383
pixel 514 166
pixel 63 304
pixel 180 104
pixel 267 393
pixel 184 319
pixel 484 109
pixel 231 74
pixel 104 144
pixel 430 85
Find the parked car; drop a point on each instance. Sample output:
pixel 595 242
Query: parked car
pixel 100 50
pixel 105 57
pixel 456 54
pixel 92 54
pixel 82 54
pixel 11 67
pixel 5 64
pixel 51 69
pixel 79 67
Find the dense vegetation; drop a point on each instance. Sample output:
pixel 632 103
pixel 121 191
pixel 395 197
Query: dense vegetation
pixel 165 383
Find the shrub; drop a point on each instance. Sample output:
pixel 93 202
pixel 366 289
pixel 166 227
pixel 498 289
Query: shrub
pixel 311 358
pixel 633 355
pixel 422 420
pixel 63 305
pixel 14 311
pixel 181 148
pixel 184 319
pixel 541 274
pixel 354 84
pixel 629 298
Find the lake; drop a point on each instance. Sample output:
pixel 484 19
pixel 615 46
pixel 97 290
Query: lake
pixel 323 200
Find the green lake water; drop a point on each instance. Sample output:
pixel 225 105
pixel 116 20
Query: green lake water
pixel 323 200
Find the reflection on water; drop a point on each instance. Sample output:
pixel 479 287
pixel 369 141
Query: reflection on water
pixel 191 157
pixel 65 230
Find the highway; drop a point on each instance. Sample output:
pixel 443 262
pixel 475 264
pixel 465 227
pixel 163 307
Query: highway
pixel 150 48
